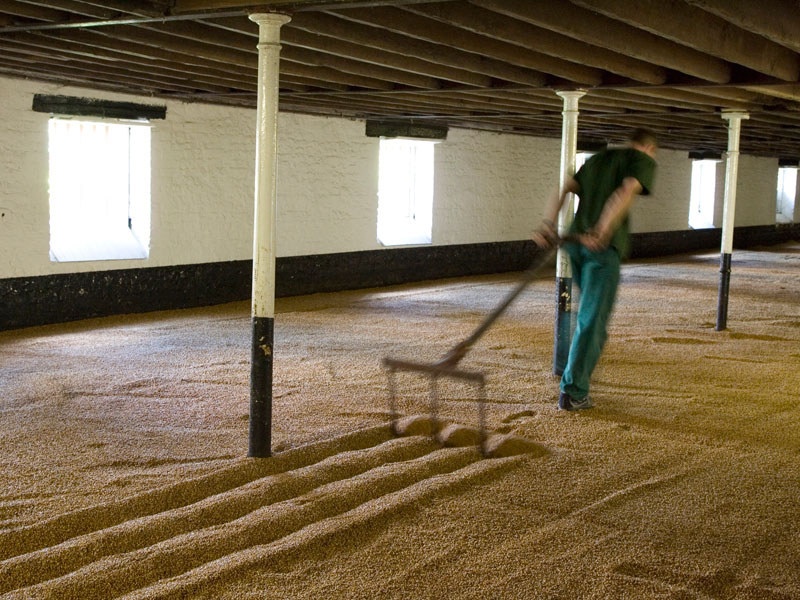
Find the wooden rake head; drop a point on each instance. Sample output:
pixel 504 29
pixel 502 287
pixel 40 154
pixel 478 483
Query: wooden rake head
pixel 435 372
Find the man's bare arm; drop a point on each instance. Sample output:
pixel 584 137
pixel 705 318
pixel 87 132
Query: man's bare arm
pixel 547 234
pixel 618 205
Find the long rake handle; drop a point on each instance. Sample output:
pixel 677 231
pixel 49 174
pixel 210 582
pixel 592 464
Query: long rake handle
pixel 458 352
pixel 528 276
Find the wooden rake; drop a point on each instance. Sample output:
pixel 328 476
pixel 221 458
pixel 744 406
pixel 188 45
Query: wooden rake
pixel 446 367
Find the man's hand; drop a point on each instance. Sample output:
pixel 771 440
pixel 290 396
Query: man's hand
pixel 593 240
pixel 546 236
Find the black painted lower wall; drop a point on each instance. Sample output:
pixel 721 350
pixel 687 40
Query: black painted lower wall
pixel 30 301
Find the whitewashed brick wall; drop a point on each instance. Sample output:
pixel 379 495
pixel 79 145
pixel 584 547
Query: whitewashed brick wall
pixel 488 187
pixel 667 207
pixel 756 191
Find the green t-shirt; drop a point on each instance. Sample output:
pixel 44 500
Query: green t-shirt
pixel 599 177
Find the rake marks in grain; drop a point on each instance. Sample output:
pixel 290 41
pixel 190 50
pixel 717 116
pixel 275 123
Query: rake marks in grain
pixel 250 513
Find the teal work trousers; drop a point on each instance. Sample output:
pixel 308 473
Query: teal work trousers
pixel 596 274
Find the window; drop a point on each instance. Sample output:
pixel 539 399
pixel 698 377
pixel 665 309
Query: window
pixel 405 192
pixel 787 194
pixel 703 194
pixel 99 190
pixel 580 160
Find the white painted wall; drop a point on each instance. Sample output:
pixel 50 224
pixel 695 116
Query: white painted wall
pixel 756 191
pixel 488 186
pixel 667 207
pixel 327 186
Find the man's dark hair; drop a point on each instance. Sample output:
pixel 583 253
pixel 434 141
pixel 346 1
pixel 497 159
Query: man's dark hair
pixel 643 137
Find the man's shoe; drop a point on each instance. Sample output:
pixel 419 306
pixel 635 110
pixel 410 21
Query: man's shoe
pixel 567 402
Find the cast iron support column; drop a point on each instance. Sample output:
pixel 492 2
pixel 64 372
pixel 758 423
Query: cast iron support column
pixel 731 175
pixel 263 307
pixel 569 143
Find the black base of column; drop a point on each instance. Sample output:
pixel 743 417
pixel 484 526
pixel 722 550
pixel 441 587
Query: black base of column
pixel 261 388
pixel 563 326
pixel 724 289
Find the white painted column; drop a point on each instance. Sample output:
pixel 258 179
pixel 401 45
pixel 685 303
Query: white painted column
pixel 734 119
pixel 263 305
pixel 569 145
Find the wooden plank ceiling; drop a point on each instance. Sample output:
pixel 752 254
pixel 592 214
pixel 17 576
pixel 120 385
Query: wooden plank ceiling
pixel 670 65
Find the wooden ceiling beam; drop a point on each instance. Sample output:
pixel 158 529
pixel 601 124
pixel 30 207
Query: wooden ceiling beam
pixel 727 94
pixel 426 29
pixel 70 64
pixel 31 71
pixel 664 127
pixel 335 45
pixel 364 108
pixel 553 105
pixel 353 67
pixel 32 11
pixel 698 29
pixel 483 103
pixel 94 39
pixel 652 99
pixel 776 20
pixel 333 76
pixel 158 77
pixel 420 107
pixel 587 26
pixel 532 102
pixel 422 104
pixel 392 42
pixel 690 99
pixel 595 100
pixel 513 31
pixel 409 64
pixel 785 92
pixel 515 105
pixel 611 99
pixel 132 7
pixel 155 39
pixel 546 95
pixel 351 51
pixel 78 8
pixel 128 61
pixel 310 82
pixel 140 82
pixel 289 6
pixel 247 39
pixel 765 124
pixel 199 33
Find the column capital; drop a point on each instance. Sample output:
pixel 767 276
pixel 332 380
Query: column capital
pixel 269 25
pixel 571 98
pixel 734 114
pixel 269 18
pixel 571 94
